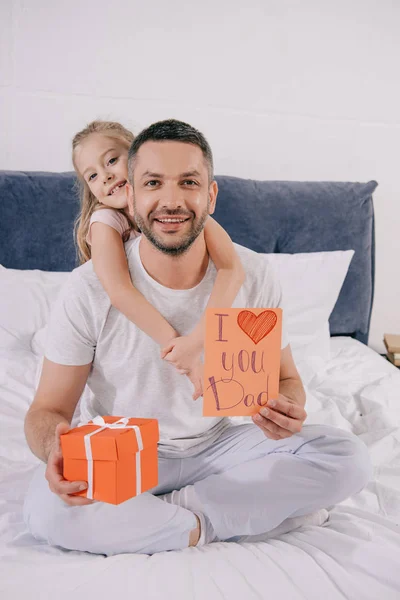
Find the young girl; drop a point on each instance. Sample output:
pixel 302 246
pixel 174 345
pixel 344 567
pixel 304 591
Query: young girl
pixel 103 226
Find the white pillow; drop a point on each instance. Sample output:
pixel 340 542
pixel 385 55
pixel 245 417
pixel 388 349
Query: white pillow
pixel 26 298
pixel 311 283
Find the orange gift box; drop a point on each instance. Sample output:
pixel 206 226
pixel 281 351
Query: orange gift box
pixel 117 457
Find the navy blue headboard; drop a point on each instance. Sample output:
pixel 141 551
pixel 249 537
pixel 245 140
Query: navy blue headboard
pixel 37 212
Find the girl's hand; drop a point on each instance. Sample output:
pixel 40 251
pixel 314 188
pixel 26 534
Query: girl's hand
pixel 184 354
pixel 196 377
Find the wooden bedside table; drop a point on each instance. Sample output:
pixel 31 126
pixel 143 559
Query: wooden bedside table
pixel 392 343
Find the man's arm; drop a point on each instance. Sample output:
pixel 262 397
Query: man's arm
pixel 49 416
pixel 284 416
pixel 290 384
pixel 59 390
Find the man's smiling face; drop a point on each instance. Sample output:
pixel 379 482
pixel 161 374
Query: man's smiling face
pixel 171 195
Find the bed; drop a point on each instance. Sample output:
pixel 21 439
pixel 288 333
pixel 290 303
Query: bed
pixel 320 238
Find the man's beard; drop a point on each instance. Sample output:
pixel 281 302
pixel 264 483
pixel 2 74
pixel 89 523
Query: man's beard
pixel 181 245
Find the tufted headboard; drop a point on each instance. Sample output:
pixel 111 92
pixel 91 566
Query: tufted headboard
pixel 37 212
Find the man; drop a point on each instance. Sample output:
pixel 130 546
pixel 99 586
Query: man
pixel 217 481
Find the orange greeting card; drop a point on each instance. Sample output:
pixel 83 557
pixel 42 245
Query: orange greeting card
pixel 241 360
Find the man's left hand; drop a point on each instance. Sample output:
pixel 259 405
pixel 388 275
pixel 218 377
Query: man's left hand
pixel 280 418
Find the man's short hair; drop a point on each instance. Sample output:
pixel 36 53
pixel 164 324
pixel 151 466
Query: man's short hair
pixel 171 130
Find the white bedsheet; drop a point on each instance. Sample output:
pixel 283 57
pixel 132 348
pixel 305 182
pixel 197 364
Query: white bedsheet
pixel 355 555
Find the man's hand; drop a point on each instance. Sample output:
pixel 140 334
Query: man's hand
pixel 281 418
pixel 54 474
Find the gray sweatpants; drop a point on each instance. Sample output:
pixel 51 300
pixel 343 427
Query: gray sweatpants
pixel 247 484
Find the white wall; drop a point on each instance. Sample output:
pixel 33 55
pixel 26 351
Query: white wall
pixel 283 89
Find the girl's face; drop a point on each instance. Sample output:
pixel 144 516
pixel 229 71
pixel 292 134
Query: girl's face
pixel 103 163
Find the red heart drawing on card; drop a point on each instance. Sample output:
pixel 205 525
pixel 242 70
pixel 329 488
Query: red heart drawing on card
pixel 255 327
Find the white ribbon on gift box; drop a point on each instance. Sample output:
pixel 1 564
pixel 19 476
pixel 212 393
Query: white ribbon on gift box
pixel 120 424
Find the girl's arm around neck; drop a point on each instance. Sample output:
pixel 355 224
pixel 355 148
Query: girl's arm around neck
pixel 230 275
pixel 111 267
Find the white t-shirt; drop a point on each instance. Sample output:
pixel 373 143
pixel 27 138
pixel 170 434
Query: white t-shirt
pixel 128 378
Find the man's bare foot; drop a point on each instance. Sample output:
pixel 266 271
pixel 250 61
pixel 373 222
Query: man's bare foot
pixel 194 535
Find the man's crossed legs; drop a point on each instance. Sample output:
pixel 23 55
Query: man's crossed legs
pixel 244 484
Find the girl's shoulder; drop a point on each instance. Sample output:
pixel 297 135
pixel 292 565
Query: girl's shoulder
pixel 109 216
pixel 113 218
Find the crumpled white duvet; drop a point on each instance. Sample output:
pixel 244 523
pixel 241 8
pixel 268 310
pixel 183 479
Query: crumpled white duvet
pixel 355 555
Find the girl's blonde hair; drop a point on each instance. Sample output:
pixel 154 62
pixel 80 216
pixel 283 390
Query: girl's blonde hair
pixel 88 202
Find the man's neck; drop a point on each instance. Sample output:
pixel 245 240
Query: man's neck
pixel 176 272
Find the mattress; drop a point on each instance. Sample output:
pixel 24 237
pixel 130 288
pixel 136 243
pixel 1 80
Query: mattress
pixel 354 555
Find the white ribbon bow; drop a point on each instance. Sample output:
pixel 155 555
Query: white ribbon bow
pixel 120 424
